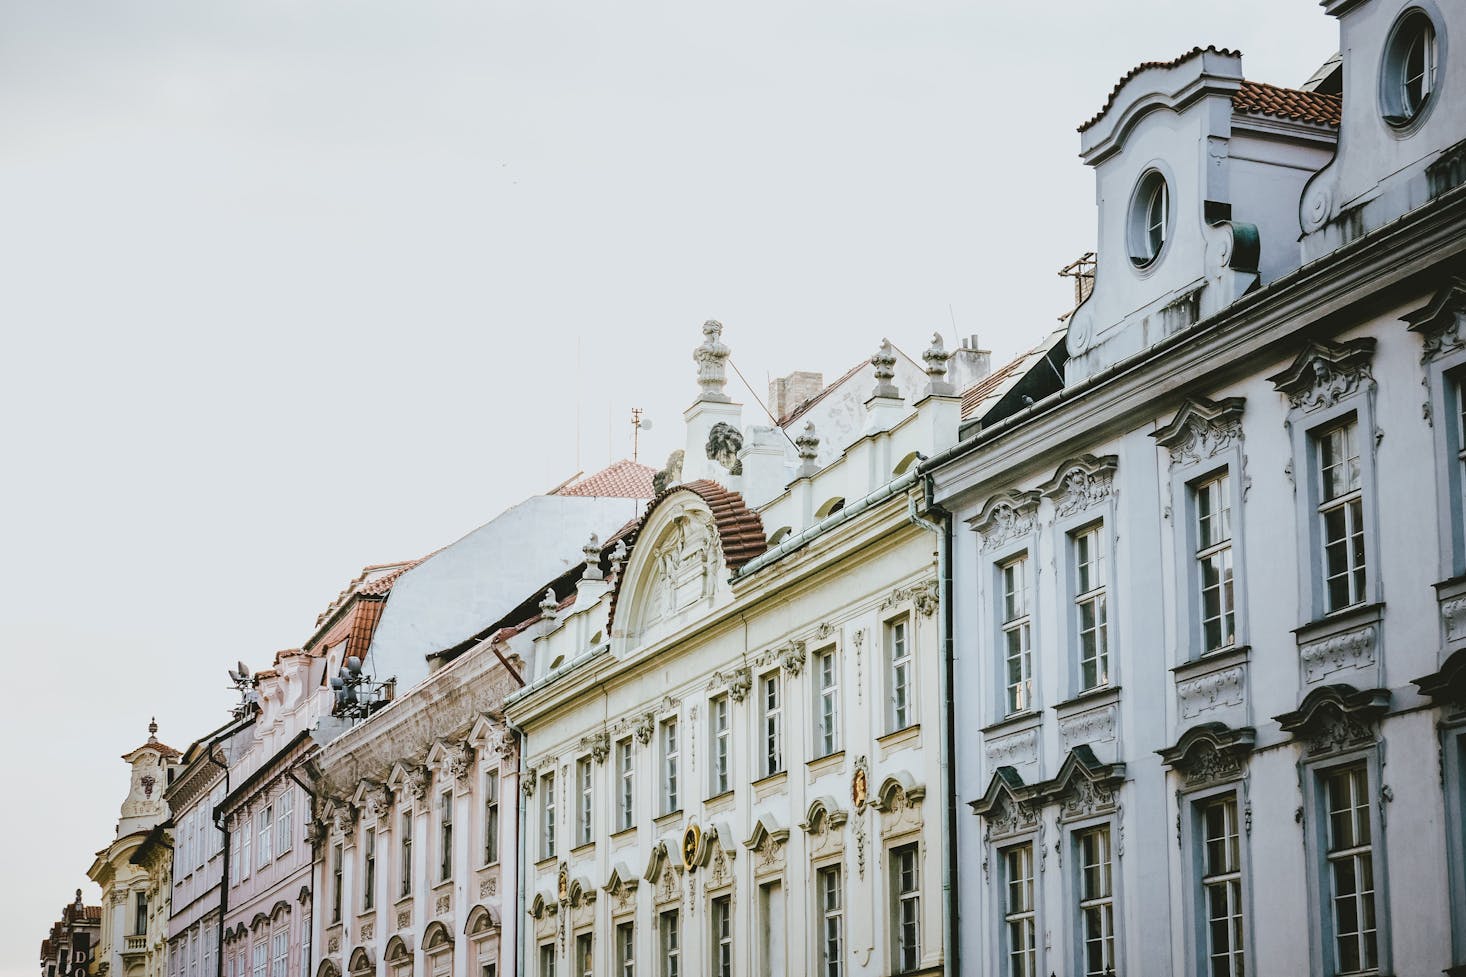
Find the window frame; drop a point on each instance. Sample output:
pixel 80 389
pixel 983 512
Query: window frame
pixel 1400 117
pixel 491 816
pixel 771 723
pixel 1446 383
pixel 900 672
pixel 827 730
pixel 625 784
pixel 285 822
pixel 1144 254
pixel 264 834
pixel 720 935
pixel 547 815
pixel 1453 746
pixel 1023 623
pixel 338 870
pixel 1193 829
pixel 368 869
pixel 1076 598
pixel 669 757
pixel 669 942
pixel 1074 839
pixel 899 899
pixel 585 801
pixel 404 854
pixel 1009 915
pixel 445 836
pixel 825 914
pixel 624 933
pixel 720 744
pixel 1186 478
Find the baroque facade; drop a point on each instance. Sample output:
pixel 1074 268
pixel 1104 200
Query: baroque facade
pixel 1206 599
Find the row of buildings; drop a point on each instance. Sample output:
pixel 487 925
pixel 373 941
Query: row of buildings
pixel 1142 653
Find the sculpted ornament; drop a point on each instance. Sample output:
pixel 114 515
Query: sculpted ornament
pixel 458 760
pixel 1201 429
pixel 1326 373
pixel 710 358
pixel 724 444
pixel 599 745
pixel 417 782
pixel 1441 324
pixel 792 657
pixel 643 727
pixel 1081 484
pixel 377 799
pixel 1006 517
pixel 1354 649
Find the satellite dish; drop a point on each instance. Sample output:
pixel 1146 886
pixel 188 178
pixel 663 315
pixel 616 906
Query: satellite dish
pixel 234 677
pixel 353 665
pixel 645 423
pixel 243 670
pixel 337 683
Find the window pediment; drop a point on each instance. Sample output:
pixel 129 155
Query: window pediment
pixel 1009 805
pixel 1210 753
pixel 1081 483
pixel 398 951
pixel 1084 785
pixel 1326 372
pixel 1336 717
pixel 1448 684
pixel 1201 429
pixel 1005 517
pixel 361 962
pixel 1440 322
pixel 481 919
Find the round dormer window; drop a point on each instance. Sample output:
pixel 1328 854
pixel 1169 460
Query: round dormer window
pixel 1150 218
pixel 1409 75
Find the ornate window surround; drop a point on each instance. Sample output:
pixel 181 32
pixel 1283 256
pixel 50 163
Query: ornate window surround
pixel 1447 689
pixel 1336 725
pixel 1441 326
pixel 1012 814
pixel 1007 527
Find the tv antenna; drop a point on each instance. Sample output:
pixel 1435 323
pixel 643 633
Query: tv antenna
pixel 638 424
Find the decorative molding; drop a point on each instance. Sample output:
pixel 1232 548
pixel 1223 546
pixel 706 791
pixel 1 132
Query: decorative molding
pixel 1005 517
pixel 598 744
pixel 1210 753
pixel 737 682
pixel 1352 649
pixel 792 657
pixel 1440 322
pixel 1325 373
pixel 1090 726
pixel 1008 806
pixel 1201 429
pixel 923 596
pixel 1447 685
pixel 1333 718
pixel 1080 484
pixel 1453 617
pixel 1016 748
pixel 417 781
pixel 711 357
pixel 1214 690
pixel 404 918
pixel 1084 785
pixel 860 784
pixel 767 844
pixel 642 728
pixel 375 799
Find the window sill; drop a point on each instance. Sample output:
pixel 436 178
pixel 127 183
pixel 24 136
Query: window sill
pixel 586 848
pixel 403 900
pixel 772 784
pixel 1339 621
pixel 1103 695
pixel 1212 661
pixel 628 832
pixel 828 763
pixel 488 866
pixel 668 819
pixel 718 802
pixel 1013 723
pixel 548 862
pixel 899 739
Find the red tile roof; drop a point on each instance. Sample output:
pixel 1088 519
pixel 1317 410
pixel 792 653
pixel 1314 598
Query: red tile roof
pixel 1146 66
pixel 624 480
pixel 1258 98
pixel 974 395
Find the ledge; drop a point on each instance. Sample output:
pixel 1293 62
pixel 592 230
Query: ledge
pixel 718 802
pixel 669 819
pixel 627 833
pixel 581 850
pixel 1015 722
pixel 772 784
pixel 1212 661
pixel 548 862
pixel 1102 696
pixel 828 763
pixel 899 740
pixel 1338 622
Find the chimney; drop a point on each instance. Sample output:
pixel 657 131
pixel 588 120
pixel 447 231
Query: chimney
pixel 969 364
pixel 787 393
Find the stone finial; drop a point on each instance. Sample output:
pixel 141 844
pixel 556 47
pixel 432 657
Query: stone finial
pixel 592 551
pixel 618 557
pixel 153 730
pixel 884 360
pixel 549 604
pixel 936 358
pixel 808 446
pixel 711 358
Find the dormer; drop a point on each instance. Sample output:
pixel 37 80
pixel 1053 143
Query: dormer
pixel 1402 141
pixel 1198 174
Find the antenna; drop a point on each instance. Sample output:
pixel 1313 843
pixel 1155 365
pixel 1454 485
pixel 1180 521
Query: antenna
pixel 638 424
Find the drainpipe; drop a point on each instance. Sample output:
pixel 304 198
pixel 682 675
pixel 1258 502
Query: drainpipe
pixel 522 867
pixel 952 955
pixel 310 796
pixel 227 732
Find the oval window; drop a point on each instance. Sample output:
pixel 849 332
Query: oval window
pixel 1408 76
pixel 1150 218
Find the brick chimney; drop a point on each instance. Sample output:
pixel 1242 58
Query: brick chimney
pixel 787 393
pixel 969 364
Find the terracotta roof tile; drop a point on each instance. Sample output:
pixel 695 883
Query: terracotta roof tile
pixel 1146 66
pixel 624 480
pixel 1258 98
pixel 974 395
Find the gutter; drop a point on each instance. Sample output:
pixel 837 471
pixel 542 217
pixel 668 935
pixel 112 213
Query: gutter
pixel 947 748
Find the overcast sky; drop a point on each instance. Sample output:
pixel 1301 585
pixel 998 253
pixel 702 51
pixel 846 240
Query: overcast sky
pixel 292 286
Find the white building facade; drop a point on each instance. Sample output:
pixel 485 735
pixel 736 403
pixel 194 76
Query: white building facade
pixel 1206 600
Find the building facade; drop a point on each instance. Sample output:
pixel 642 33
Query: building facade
pixel 1207 630
pixel 68 948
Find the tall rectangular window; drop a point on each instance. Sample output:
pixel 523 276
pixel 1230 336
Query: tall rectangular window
pixel 246 862
pixel 547 959
pixel 771 696
pixel 720 734
pixel 585 808
pixel 235 843
pixel 285 822
pixel 368 869
pixel 831 895
pixel 584 956
pixel 1020 930
pixel 626 950
pixel 305 946
pixel 336 870
pixel 264 827
pixel 1221 886
pixel 1341 511
pixel 670 936
pixel 1017 635
pixel 1213 501
pixel 445 836
pixel 547 816
pixel 491 817
pixel 404 848
pixel 827 702
pixel 140 914
pixel 279 953
pixel 903 688
pixel 722 936
pixel 626 790
pixel 209 958
pixel 906 921
pixel 1096 901
pixel 261 959
pixel 1089 604
pixel 671 757
pixel 1351 868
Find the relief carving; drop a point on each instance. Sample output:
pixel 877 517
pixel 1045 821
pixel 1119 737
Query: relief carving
pixel 1093 726
pixel 1017 748
pixel 1006 517
pixel 1080 484
pixel 1211 691
pixel 1201 429
pixel 1326 373
pixel 1355 649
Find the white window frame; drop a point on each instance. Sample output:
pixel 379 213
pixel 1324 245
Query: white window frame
pixel 264 832
pixel 905 902
pixel 1091 589
pixel 368 869
pixel 626 785
pixel 669 940
pixel 1229 880
pixel 1018 961
pixel 771 723
pixel 826 670
pixel 1453 746
pixel 338 868
pixel 830 912
pixel 404 854
pixel 720 745
pixel 280 952
pixel 491 817
pixel 547 815
pixel 1015 620
pixel 720 935
pixel 670 744
pixel 1085 900
pixel 547 959
pixel 585 801
pixel 585 954
pixel 261 959
pixel 1348 503
pixel 305 945
pixel 445 836
pixel 898 640
pixel 285 822
pixel 625 936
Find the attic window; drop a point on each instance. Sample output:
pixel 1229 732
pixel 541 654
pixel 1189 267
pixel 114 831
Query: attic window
pixel 1150 218
pixel 1411 62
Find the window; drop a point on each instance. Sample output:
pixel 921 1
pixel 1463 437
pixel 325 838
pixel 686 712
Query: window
pixel 368 869
pixel 906 922
pixel 140 914
pixel 1341 512
pixel 1089 603
pixel 547 959
pixel 264 827
pixel 1408 76
pixel 305 946
pixel 336 869
pixel 626 949
pixel 285 823
pixel 1150 216
pixel 1096 902
pixel 547 816
pixel 405 854
pixel 245 862
pixel 584 956
pixel 722 921
pixel 830 893
pixel 668 926
pixel 772 699
pixel 827 702
pixel 720 735
pixel 445 836
pixel 209 947
pixel 235 843
pixel 1351 868
pixel 583 815
pixel 898 654
pixel 1221 886
pixel 1019 920
pixel 491 817
pixel 1213 501
pixel 280 953
pixel 670 758
pixel 261 959
pixel 1017 635
pixel 626 801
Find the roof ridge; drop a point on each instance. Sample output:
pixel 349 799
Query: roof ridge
pixel 1146 66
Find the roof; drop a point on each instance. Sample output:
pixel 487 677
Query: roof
pixel 623 480
pixel 803 407
pixel 371 582
pixel 974 395
pixel 989 393
pixel 1146 66
pixel 1259 98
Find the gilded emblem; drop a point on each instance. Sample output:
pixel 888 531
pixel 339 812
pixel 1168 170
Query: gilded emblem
pixel 691 839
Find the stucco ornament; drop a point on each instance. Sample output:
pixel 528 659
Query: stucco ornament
pixel 378 800
pixel 711 358
pixel 724 443
pixel 592 552
pixel 458 760
pixel 936 357
pixel 860 785
pixel 599 745
pixel 1326 373
pixel 642 728
pixel 1006 517
pixel 1441 323
pixel 1201 429
pixel 884 361
pixel 343 817
pixel 1079 484
pixel 417 782
pixel 808 446
pixel 1337 717
pixel 792 657
pixel 684 565
pixel 670 474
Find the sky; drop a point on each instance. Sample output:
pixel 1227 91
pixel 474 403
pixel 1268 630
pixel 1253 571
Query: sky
pixel 289 287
